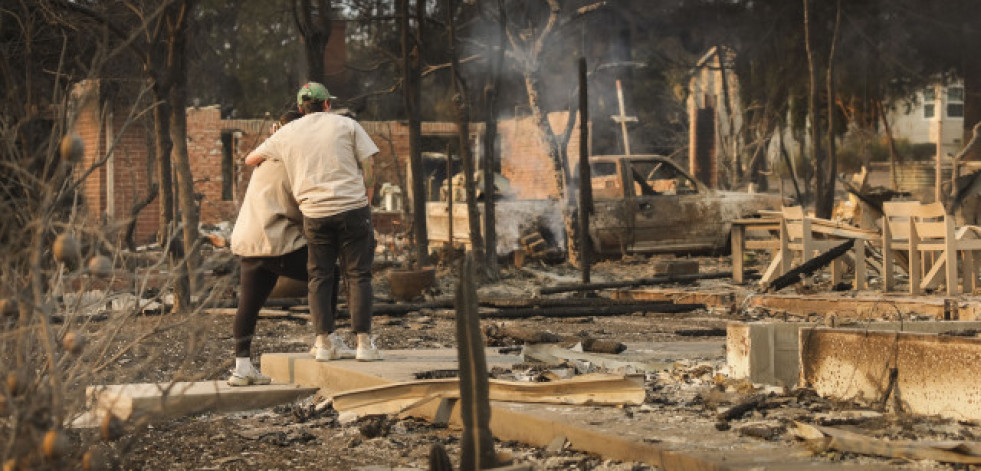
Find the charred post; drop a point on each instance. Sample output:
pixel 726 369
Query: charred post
pixel 477 443
pixel 585 178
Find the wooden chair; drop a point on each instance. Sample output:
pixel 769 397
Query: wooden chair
pixel 927 234
pixel 896 224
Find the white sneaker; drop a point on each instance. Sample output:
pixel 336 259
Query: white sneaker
pixel 252 378
pixel 337 350
pixel 367 351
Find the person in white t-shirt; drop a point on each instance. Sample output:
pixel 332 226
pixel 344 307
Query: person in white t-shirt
pixel 328 163
pixel 268 238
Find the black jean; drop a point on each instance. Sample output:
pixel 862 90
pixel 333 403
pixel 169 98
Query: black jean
pixel 350 236
pixel 256 281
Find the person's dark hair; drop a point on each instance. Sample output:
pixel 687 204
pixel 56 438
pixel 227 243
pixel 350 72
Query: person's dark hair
pixel 312 107
pixel 289 116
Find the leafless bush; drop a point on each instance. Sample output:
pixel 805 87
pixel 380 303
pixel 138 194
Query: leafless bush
pixel 77 308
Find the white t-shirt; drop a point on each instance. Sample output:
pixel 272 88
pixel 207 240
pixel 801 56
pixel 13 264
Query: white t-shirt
pixel 269 223
pixel 322 153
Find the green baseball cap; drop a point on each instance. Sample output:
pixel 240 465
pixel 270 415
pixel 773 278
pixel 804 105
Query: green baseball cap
pixel 313 91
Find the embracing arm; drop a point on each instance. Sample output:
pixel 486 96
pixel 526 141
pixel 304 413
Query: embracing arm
pixel 254 159
pixel 369 178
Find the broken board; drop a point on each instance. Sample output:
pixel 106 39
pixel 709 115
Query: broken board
pixel 604 431
pixel 186 398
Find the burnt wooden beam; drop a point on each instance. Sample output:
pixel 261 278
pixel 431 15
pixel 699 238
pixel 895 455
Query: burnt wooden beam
pixel 564 302
pixel 737 411
pixel 502 303
pixel 590 311
pixel 533 335
pixel 711 332
pixel 395 309
pixel 522 333
pixel 571 310
pixel 794 276
pixel 657 280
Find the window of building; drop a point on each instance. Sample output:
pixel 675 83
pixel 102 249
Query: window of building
pixel 228 144
pixel 929 103
pixel 955 102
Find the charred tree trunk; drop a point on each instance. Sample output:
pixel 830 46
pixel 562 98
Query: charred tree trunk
pixel 313 21
pixel 790 166
pixel 529 51
pixel 177 19
pixel 462 102
pixel 972 102
pixel 490 146
pixel 826 205
pixel 585 175
pixel 727 106
pixel 411 97
pixel 134 215
pixel 764 131
pixel 893 153
pixel 161 126
pixel 160 75
pixel 557 149
pixel 824 184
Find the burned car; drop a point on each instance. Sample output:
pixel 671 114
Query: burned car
pixel 646 203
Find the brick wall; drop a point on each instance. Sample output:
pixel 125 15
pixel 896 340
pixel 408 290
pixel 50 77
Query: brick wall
pixel 131 176
pixel 130 180
pixel 525 159
pixel 524 155
pixel 204 149
pixel 125 173
pixel 88 126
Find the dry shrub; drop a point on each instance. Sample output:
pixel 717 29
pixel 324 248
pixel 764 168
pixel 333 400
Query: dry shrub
pixel 75 302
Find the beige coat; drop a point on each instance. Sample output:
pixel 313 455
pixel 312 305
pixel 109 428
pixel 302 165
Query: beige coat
pixel 269 223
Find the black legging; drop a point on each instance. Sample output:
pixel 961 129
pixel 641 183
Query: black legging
pixel 258 277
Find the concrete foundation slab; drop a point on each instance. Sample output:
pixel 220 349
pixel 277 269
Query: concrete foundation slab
pixel 768 352
pixel 925 374
pixel 669 446
pixel 764 352
pixel 601 430
pixel 186 398
pixel 344 375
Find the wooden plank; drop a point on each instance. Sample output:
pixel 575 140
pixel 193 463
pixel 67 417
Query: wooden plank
pixel 773 268
pixel 915 273
pixel 861 279
pixel 843 440
pixel 713 298
pixel 737 234
pixel 263 313
pixel 583 390
pixel 187 398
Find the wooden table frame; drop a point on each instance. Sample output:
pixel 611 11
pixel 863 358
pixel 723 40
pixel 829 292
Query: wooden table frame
pixel 780 264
